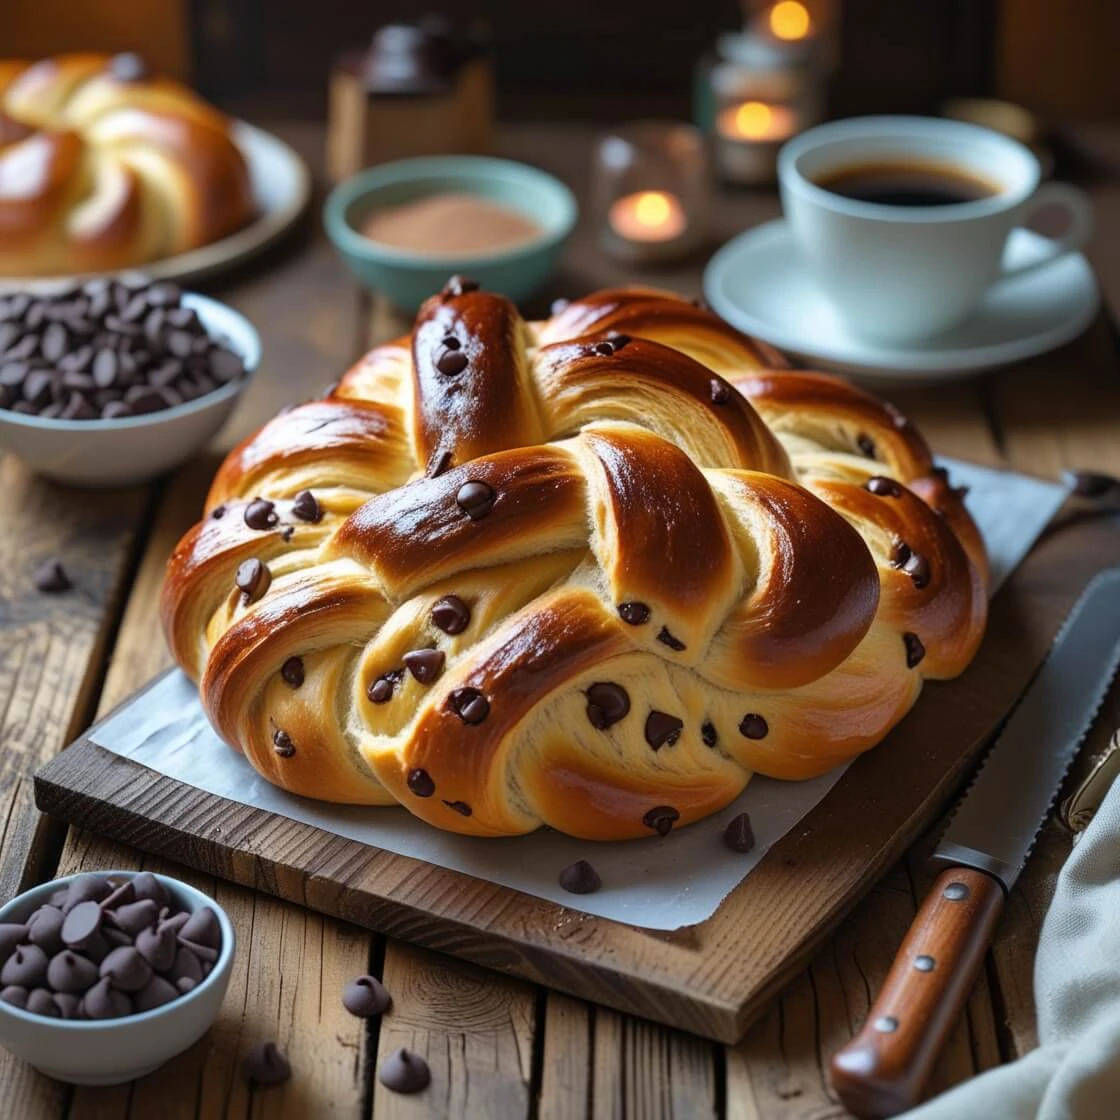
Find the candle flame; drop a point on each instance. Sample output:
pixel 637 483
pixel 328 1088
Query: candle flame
pixel 789 20
pixel 652 208
pixel 752 119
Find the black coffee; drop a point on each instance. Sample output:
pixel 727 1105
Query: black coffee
pixel 907 184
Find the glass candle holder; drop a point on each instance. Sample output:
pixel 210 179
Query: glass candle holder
pixel 650 192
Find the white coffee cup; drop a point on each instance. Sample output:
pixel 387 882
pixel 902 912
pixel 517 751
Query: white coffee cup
pixel 903 273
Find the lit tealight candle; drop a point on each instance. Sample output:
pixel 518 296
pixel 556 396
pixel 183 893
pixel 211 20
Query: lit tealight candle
pixel 756 121
pixel 648 216
pixel 789 21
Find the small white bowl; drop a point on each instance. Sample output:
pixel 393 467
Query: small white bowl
pixel 111 1051
pixel 136 448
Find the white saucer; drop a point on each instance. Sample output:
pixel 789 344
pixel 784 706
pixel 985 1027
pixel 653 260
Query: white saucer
pixel 757 283
pixel 281 185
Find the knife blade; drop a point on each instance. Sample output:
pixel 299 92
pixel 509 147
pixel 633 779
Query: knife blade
pixel 881 1072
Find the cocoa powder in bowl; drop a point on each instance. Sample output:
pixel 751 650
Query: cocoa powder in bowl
pixel 450 224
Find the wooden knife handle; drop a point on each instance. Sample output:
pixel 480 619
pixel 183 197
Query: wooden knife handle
pixel 881 1072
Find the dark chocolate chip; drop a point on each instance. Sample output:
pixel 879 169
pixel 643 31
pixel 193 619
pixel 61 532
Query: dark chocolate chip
pixel 475 499
pixel 917 568
pixel 119 896
pixel 404 1072
pixel 147 885
pixel 81 924
pixel 14 933
pixel 292 672
pixel 55 342
pixel 79 408
pixel 381 690
pixel 451 363
pixel 708 733
pixel 155 993
pixel 307 508
pixel 662 729
pixel 607 703
pixel 133 916
pixel 634 613
pixel 915 651
pixel 50 576
pixel 265 1065
pixel 70 972
pixel 205 954
pixel 753 726
pixel 451 614
pixel 164 293
pixel 26 967
pixel 460 807
pixel 666 638
pixel 41 1002
pixel 126 969
pixel 739 835
pixel 883 487
pixel 460 286
pixel 420 782
pixel 261 514
pixel 69 1004
pixel 900 553
pixel 224 365
pixel 253 579
pixel 866 445
pixel 105 368
pixel 103 1001
pixel 282 743
pixel 425 664
pixel 15 994
pixel 366 997
pixel 116 410
pixel 144 400
pixel 469 705
pixel 720 391
pixel 661 819
pixel 186 964
pixel 580 878
pixel 158 946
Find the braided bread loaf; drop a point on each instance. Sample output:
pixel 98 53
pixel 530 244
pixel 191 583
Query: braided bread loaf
pixel 103 167
pixel 590 573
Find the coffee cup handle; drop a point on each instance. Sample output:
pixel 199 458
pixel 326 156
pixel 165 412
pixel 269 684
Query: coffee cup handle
pixel 1080 210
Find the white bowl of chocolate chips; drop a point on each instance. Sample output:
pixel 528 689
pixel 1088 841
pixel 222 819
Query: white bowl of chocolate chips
pixel 105 976
pixel 112 383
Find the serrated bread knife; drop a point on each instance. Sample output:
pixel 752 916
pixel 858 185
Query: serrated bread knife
pixel 881 1072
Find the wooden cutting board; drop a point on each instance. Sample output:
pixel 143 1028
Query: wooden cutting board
pixel 712 979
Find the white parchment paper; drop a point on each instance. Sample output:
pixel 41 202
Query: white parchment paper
pixel 659 883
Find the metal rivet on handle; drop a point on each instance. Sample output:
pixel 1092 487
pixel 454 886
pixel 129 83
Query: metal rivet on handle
pixel 924 963
pixel 885 1024
pixel 956 892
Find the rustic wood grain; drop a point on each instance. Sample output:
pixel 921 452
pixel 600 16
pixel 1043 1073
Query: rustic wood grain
pixel 474 1029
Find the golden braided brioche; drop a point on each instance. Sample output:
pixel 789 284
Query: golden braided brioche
pixel 103 167
pixel 590 573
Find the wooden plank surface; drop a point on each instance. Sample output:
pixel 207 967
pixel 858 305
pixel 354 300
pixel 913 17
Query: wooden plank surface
pixel 777 1070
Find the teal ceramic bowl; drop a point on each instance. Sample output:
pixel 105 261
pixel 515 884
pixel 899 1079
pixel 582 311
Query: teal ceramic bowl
pixel 407 278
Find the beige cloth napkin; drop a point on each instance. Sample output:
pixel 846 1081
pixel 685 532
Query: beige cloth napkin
pixel 1075 1072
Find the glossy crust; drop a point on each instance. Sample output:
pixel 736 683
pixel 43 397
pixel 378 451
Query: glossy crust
pixel 591 573
pixel 101 172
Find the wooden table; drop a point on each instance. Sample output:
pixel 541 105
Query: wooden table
pixel 497 1047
